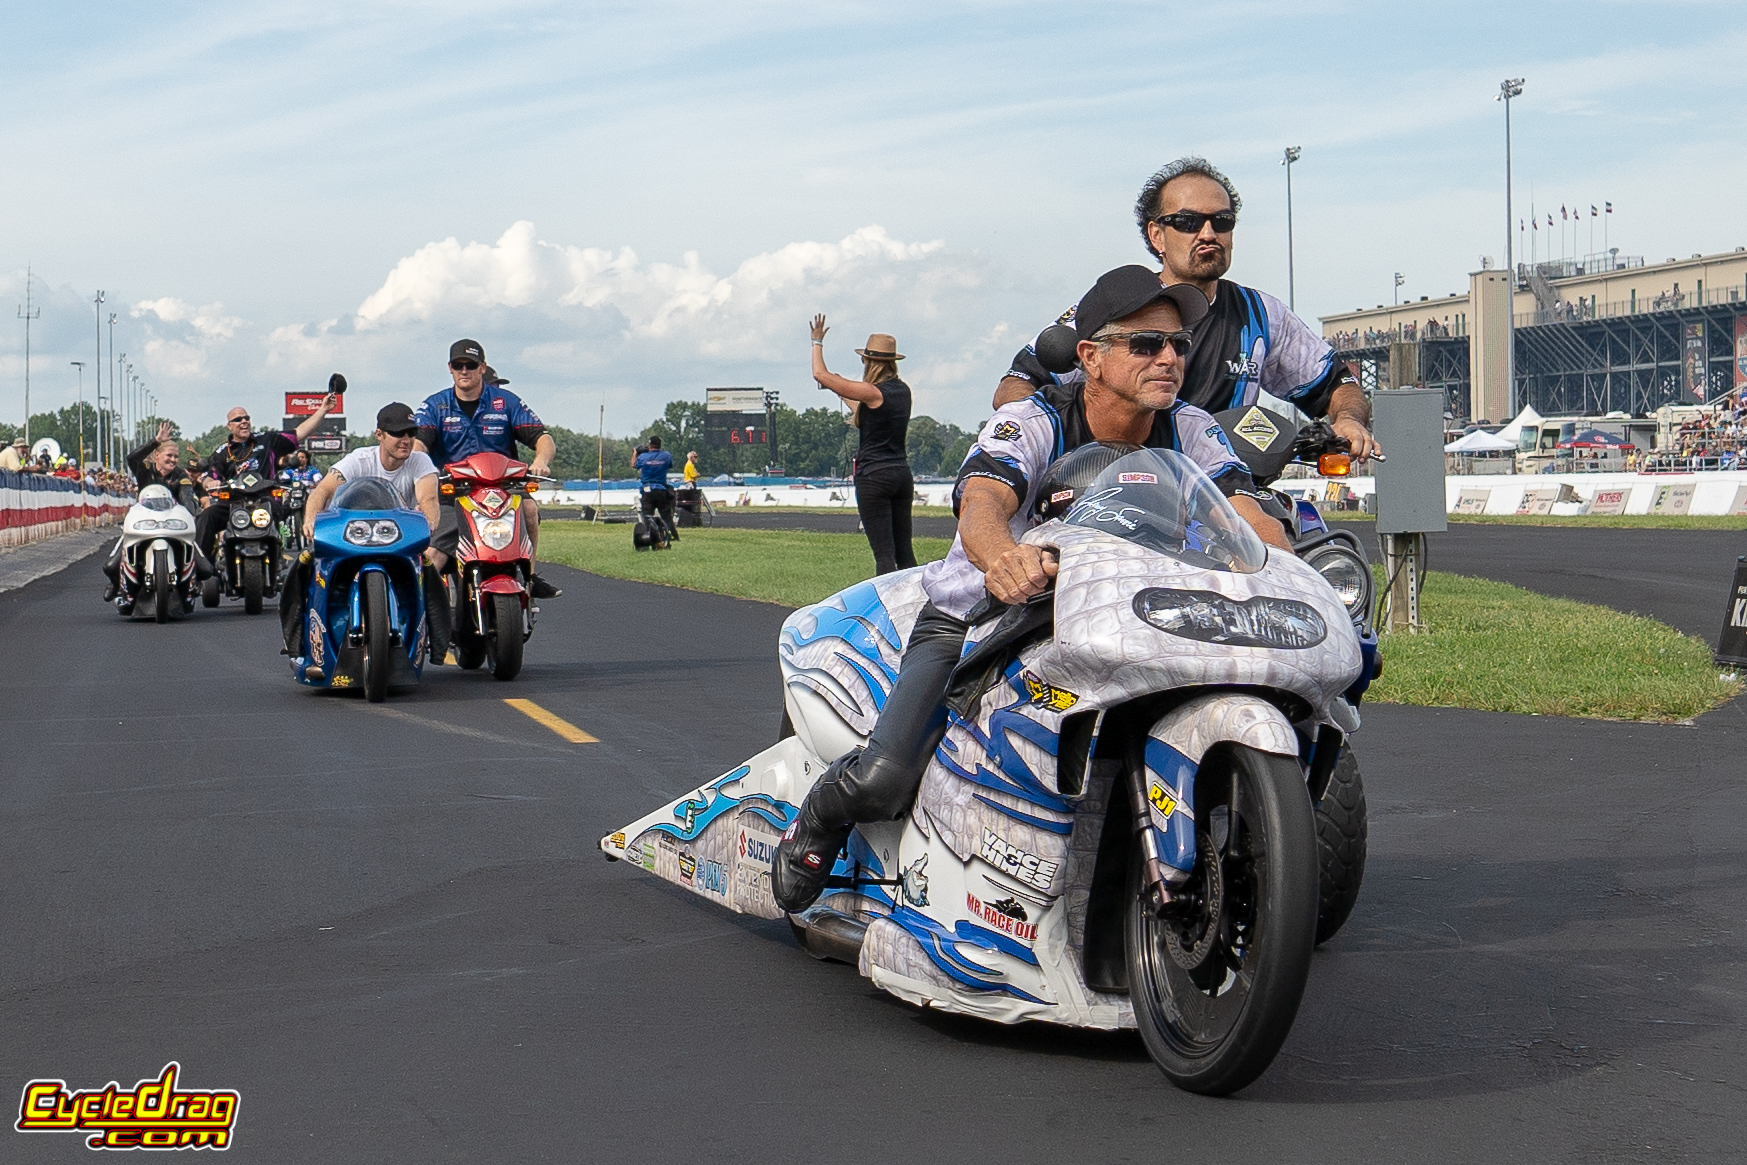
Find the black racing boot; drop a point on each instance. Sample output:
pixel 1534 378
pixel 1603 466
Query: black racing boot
pixel 202 566
pixel 438 618
pixel 112 572
pixel 541 589
pixel 808 851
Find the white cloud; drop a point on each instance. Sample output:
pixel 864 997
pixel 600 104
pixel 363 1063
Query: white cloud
pixel 210 321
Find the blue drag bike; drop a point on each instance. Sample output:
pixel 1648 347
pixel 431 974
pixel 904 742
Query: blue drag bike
pixel 361 621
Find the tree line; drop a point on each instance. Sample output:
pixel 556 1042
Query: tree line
pixel 813 442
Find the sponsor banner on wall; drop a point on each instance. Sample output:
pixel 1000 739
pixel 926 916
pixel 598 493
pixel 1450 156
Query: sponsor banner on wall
pixel 1609 501
pixel 1674 498
pixel 1537 501
pixel 1739 505
pixel 1472 501
pixel 1692 361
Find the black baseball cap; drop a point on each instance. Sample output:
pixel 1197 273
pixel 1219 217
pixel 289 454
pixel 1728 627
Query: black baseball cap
pixel 1124 291
pixel 395 419
pixel 491 377
pixel 466 350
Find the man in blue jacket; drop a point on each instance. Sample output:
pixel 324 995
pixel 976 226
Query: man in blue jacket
pixel 653 463
pixel 463 420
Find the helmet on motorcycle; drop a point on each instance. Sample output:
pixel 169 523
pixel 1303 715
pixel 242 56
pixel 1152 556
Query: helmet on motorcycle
pixel 1069 475
pixel 157 497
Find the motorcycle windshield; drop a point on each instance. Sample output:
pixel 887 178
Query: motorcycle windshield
pixel 367 493
pixel 1160 499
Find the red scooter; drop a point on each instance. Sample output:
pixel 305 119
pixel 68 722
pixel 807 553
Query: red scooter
pixel 488 577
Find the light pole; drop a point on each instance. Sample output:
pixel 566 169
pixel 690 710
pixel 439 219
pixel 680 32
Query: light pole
pixel 1507 89
pixel 97 303
pixel 1399 280
pixel 1292 153
pixel 80 365
pixel 109 430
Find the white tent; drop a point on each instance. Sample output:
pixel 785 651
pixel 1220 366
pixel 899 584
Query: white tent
pixel 1513 432
pixel 1480 441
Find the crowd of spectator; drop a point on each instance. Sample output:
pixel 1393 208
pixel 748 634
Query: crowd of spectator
pixel 1431 329
pixel 1713 440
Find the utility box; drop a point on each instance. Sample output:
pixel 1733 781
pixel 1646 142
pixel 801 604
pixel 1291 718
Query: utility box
pixel 1409 425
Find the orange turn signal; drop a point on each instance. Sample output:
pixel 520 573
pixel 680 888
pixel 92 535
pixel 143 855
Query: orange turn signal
pixel 1335 464
pixel 447 489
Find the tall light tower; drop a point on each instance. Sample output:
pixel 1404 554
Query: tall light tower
pixel 26 314
pixel 1507 89
pixel 80 365
pixel 1292 153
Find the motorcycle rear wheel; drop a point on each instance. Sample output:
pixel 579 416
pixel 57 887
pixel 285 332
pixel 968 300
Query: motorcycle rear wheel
pixel 210 594
pixel 504 642
pixel 162 591
pixel 254 585
pixel 1216 986
pixel 1342 834
pixel 377 665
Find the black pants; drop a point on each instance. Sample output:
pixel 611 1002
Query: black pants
pixel 208 525
pixel 881 783
pixel 883 494
pixel 661 500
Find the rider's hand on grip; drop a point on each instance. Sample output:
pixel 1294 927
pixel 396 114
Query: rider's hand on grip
pixel 1021 572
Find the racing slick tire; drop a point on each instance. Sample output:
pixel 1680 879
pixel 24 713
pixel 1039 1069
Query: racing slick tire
pixel 1341 838
pixel 377 664
pixel 163 590
pixel 254 584
pixel 504 641
pixel 210 593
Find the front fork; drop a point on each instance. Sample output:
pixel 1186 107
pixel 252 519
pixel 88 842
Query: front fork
pixel 1161 787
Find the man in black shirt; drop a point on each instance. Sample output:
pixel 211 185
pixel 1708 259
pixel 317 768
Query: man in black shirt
pixel 247 451
pixel 1248 343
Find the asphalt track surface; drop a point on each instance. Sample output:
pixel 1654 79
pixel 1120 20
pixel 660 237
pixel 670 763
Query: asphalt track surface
pixel 389 928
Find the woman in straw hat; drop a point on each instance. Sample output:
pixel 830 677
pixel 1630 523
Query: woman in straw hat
pixel 879 405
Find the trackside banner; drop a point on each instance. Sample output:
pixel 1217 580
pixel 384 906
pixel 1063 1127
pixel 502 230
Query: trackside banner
pixel 35 505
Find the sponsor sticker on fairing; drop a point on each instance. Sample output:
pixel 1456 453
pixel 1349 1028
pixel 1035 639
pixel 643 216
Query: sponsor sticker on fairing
pixel 1138 478
pixel 1008 916
pixel 1022 865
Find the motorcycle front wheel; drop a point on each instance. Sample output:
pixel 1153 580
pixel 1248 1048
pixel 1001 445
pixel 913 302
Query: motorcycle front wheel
pixel 162 591
pixel 254 584
pixel 376 662
pixel 1217 982
pixel 210 594
pixel 504 642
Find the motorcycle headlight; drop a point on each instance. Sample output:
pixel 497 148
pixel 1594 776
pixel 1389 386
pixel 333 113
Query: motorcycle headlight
pixel 1213 618
pixel 261 518
pixel 172 524
pixel 497 532
pixel 1350 578
pixel 364 532
pixel 146 524
pixel 239 518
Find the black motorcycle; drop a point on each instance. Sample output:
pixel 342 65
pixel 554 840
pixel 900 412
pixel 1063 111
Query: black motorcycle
pixel 250 552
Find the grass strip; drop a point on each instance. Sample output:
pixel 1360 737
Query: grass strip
pixel 1500 648
pixel 1492 647
pixel 790 567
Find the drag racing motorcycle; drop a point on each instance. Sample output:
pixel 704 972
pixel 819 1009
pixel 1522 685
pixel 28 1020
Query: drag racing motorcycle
pixel 360 618
pixel 292 493
pixel 1119 826
pixel 493 562
pixel 249 553
pixel 157 557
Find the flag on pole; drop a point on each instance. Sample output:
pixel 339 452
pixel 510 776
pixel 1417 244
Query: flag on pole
pixel 1610 207
pixel 1549 220
pixel 1562 215
pixel 1535 224
pixel 1592 211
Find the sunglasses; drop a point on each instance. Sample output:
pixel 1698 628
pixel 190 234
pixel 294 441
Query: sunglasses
pixel 1189 222
pixel 1150 344
pixel 401 436
pixel 238 421
pixel 463 365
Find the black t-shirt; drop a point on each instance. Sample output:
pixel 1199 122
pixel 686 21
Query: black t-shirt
pixel 261 456
pixel 883 430
pixel 181 483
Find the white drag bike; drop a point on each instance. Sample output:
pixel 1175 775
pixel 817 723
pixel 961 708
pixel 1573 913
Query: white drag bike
pixel 1119 828
pixel 157 557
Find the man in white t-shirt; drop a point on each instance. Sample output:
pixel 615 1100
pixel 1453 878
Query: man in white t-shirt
pixel 413 475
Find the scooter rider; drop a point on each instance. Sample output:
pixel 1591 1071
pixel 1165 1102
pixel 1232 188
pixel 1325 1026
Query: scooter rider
pixel 460 421
pixel 1249 343
pixel 247 451
pixel 1132 339
pixel 653 463
pixel 159 462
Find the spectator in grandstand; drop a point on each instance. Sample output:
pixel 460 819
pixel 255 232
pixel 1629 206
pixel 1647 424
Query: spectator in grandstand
pixel 13 456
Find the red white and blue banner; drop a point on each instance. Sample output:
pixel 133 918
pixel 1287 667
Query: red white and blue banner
pixel 35 505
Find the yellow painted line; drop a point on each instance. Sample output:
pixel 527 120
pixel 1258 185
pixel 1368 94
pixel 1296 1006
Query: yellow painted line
pixel 556 723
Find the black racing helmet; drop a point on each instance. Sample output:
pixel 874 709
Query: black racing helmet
pixel 1068 475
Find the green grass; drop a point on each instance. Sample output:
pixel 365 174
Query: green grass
pixel 1492 646
pixel 1500 648
pixel 790 567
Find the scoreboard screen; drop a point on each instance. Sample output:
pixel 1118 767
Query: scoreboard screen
pixel 726 429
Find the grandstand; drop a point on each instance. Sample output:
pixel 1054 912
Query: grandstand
pixel 1603 334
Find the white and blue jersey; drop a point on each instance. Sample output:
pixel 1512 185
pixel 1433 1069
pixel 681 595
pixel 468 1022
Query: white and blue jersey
pixel 1247 344
pixel 1020 441
pixel 452 432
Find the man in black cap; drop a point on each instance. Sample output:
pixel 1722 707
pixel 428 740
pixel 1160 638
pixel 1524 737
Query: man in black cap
pixel 1133 338
pixel 411 474
pixel 464 419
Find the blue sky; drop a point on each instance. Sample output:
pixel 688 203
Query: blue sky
pixel 627 203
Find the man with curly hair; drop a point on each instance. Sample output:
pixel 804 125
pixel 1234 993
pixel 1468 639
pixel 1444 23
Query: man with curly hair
pixel 1248 343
